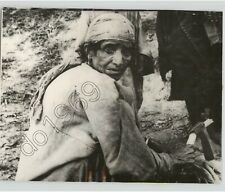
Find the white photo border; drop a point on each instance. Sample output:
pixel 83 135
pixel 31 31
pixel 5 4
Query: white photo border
pixel 116 4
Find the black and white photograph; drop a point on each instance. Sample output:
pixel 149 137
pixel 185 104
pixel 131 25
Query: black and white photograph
pixel 111 95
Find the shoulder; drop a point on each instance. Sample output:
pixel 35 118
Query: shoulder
pixel 84 80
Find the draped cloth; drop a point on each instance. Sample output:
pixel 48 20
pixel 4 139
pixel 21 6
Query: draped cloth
pixel 132 77
pixel 75 134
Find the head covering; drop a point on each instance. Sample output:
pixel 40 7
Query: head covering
pixel 110 26
pixel 104 27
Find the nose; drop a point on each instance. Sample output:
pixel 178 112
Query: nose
pixel 118 57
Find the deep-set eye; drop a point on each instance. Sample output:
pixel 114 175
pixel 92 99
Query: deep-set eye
pixel 109 49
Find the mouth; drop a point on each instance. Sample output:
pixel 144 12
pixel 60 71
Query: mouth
pixel 113 71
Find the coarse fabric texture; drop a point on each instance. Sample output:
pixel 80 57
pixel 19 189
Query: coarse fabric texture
pixel 101 29
pixel 190 44
pixel 76 125
pixel 185 48
pixel 131 78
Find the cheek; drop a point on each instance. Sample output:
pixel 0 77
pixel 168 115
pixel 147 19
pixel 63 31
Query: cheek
pixel 104 59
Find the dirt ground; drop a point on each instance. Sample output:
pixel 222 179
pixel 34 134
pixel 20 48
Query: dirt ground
pixel 33 42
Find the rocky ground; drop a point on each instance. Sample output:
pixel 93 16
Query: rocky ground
pixel 36 40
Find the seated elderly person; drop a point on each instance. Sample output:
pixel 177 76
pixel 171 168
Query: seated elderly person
pixel 85 112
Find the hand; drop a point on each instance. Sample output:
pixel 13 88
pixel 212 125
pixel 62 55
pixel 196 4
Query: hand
pixel 186 154
pixel 214 172
pixel 216 166
pixel 190 167
pixel 196 172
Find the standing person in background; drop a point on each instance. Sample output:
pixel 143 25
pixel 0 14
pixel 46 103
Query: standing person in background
pixel 190 44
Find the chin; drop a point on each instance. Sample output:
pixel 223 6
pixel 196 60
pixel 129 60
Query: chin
pixel 115 76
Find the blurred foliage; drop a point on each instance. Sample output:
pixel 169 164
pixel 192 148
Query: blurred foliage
pixel 23 20
pixel 41 26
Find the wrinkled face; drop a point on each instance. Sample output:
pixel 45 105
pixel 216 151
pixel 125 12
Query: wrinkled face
pixel 112 58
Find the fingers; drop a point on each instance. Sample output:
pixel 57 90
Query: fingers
pixel 215 165
pixel 204 174
pixel 192 173
pixel 211 171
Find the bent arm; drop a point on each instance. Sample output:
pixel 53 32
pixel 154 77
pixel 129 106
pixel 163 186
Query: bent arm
pixel 126 154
